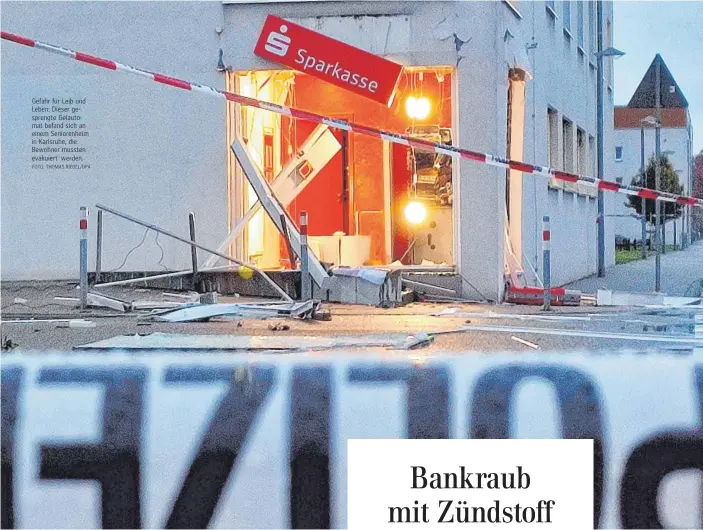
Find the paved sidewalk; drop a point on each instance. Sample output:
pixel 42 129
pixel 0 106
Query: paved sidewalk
pixel 679 270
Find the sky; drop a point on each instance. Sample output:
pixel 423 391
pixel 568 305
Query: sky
pixel 675 31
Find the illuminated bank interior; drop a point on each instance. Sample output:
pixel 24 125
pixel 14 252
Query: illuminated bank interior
pixel 392 205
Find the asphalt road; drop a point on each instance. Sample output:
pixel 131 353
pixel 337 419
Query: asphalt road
pixel 646 330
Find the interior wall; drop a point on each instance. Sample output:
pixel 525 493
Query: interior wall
pixel 322 198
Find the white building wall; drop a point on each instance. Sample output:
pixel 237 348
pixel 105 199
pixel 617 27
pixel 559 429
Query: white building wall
pixel 158 153
pixel 672 139
pixel 564 79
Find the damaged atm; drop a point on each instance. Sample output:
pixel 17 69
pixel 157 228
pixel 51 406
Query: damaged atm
pixel 430 198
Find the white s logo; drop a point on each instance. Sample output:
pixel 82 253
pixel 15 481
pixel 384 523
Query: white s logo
pixel 278 43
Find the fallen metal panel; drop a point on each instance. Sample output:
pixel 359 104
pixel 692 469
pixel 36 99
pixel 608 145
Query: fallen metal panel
pixel 275 210
pixel 176 341
pixel 200 312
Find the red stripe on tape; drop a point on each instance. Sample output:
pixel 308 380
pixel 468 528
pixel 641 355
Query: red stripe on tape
pixel 421 144
pixel 521 166
pixel 305 116
pixel 610 186
pixel 546 235
pixel 557 291
pixel 566 176
pixel 686 201
pixel 83 225
pixel 16 38
pixel 648 194
pixel 472 155
pixel 178 83
pixel 97 61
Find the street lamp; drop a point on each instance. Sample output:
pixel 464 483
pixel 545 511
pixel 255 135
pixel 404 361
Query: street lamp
pixel 608 52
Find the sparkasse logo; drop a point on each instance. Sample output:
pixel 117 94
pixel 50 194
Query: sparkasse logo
pixel 278 43
pixel 328 59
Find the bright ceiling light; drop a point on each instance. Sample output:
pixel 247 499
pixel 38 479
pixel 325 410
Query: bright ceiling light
pixel 422 110
pixel 415 212
pixel 417 108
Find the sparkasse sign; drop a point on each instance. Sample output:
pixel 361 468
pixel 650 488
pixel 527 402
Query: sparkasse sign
pixel 328 59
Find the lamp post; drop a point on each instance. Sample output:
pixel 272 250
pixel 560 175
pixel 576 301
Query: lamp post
pixel 663 223
pixel 608 52
pixel 652 120
pixel 644 201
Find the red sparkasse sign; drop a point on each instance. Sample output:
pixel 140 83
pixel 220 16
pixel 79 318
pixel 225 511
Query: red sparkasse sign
pixel 328 59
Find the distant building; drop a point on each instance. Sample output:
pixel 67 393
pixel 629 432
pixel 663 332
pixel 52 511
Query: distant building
pixel 676 138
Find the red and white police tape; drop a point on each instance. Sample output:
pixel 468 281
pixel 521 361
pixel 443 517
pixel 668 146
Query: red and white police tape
pixel 485 158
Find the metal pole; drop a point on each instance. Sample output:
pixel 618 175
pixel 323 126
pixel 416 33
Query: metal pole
pixel 657 172
pixel 193 250
pixel 99 250
pixel 546 265
pixel 196 245
pixel 305 285
pixel 345 181
pixel 674 233
pixel 83 226
pixel 599 133
pixel 644 201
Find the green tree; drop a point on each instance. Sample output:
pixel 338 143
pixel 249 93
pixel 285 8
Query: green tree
pixel 668 181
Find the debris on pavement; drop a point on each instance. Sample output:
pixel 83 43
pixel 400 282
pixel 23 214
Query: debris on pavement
pixel 525 342
pixel 606 297
pixel 110 302
pixel 8 344
pixel 204 312
pixel 279 327
pixel 418 340
pixel 249 343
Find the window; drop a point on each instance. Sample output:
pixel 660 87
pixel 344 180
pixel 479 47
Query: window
pixel 551 8
pixel 592 157
pixel 592 25
pixel 582 157
pixel 553 138
pixel 618 153
pixel 579 29
pixel 568 145
pixel 567 16
pixel 608 60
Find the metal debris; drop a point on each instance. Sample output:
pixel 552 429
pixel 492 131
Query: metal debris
pixel 246 343
pixel 205 312
pixel 525 342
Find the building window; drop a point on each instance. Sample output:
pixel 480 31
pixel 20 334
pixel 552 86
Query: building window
pixel 592 156
pixel 582 156
pixel 567 17
pixel 553 138
pixel 579 29
pixel 592 25
pixel 608 37
pixel 568 145
pixel 618 153
pixel 551 8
